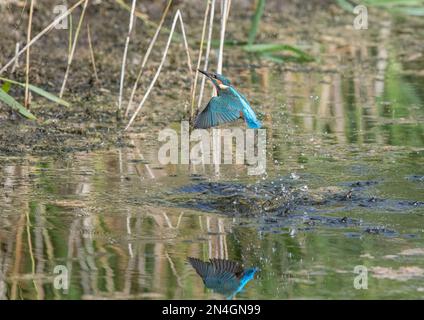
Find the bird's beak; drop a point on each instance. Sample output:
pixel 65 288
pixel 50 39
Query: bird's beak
pixel 205 73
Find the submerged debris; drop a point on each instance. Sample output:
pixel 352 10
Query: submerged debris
pixel 283 197
pixel 280 204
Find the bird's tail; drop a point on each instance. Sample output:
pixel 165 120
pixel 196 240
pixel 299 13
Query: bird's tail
pixel 253 123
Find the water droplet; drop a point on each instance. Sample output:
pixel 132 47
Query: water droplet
pixel 294 176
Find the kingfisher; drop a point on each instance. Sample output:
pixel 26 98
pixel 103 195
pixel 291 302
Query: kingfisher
pixel 228 106
pixel 223 276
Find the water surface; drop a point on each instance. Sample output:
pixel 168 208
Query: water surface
pixel 123 225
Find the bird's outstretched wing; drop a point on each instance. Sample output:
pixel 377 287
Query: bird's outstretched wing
pixel 201 267
pixel 227 266
pixel 217 268
pixel 222 276
pixel 218 111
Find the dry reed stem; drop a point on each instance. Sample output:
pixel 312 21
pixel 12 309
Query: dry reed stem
pixel 228 11
pixel 31 11
pixel 185 44
pixel 176 17
pixel 31 254
pixel 146 56
pixel 71 28
pixel 225 8
pixel 18 257
pixel 208 49
pixel 124 58
pixel 39 35
pixel 142 16
pixel 90 45
pixel 74 45
pixel 193 91
pixel 16 64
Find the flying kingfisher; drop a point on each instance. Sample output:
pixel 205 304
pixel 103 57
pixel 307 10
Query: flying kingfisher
pixel 228 106
pixel 223 276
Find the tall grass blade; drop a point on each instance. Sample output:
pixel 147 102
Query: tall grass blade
pixel 387 3
pixel 345 5
pixel 38 91
pixel 256 19
pixel 15 105
pixel 6 87
pixel 274 47
pixel 411 11
pixel 408 7
pixel 267 49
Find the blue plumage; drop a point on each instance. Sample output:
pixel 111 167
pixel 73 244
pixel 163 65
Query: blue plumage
pixel 228 106
pixel 223 276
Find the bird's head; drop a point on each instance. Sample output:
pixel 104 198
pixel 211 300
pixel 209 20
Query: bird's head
pixel 220 82
pixel 250 273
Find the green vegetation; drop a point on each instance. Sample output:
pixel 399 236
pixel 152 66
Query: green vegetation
pixel 15 105
pixel 256 19
pixel 269 51
pixel 409 7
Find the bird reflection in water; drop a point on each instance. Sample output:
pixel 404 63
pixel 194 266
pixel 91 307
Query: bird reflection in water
pixel 223 276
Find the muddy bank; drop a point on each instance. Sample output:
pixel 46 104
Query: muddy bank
pixel 320 28
pixel 60 130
